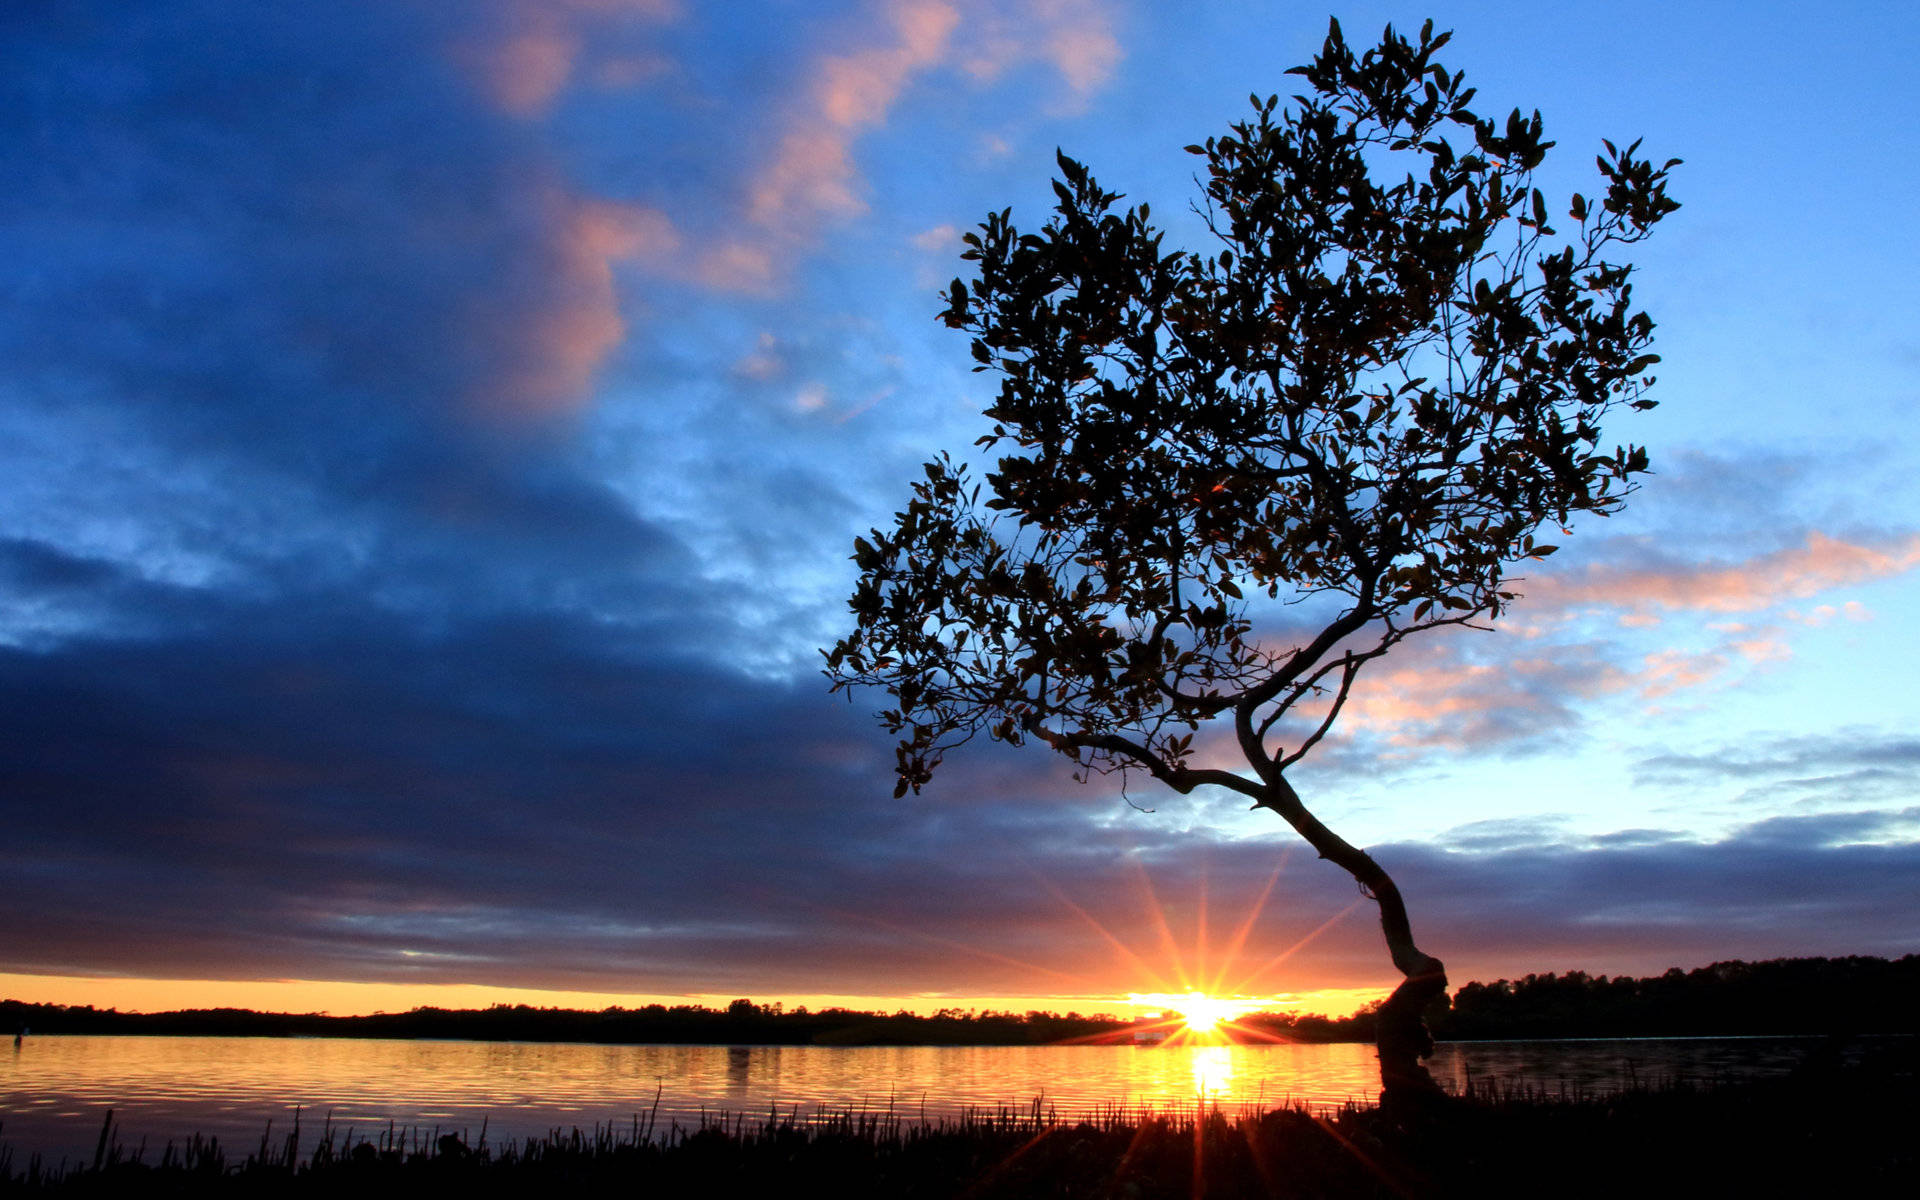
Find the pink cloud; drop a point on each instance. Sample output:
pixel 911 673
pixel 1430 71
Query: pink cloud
pixel 1431 697
pixel 1465 690
pixel 522 73
pixel 736 266
pixel 524 60
pixel 858 88
pixel 1763 648
pixel 940 239
pixel 811 178
pixel 553 355
pixel 1852 610
pixel 1429 694
pixel 1085 51
pixel 1075 37
pixel 603 230
pixel 1669 671
pixel 1820 564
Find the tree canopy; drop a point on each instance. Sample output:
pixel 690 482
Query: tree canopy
pixel 1376 387
pixel 1366 398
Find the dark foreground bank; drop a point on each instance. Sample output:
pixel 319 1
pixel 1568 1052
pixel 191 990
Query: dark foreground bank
pixel 1841 1132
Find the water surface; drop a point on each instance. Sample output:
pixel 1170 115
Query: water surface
pixel 55 1089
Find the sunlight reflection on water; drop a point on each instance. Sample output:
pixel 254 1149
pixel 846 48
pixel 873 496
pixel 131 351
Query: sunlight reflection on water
pixel 1212 1068
pixel 54 1090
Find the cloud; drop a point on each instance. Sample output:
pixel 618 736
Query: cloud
pixel 273 244
pixel 1075 36
pixel 1472 690
pixel 501 801
pixel 859 88
pixel 1773 888
pixel 1082 44
pixel 1438 695
pixel 1821 614
pixel 811 179
pixel 525 70
pixel 1820 564
pixel 582 324
pixel 1841 770
pixel 337 332
pixel 941 239
pixel 526 51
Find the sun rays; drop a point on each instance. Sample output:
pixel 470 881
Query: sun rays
pixel 1201 994
pixel 1194 985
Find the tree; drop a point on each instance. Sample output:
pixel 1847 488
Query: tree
pixel 1365 402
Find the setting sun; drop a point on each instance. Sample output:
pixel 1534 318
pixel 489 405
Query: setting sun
pixel 1194 1013
pixel 1203 1014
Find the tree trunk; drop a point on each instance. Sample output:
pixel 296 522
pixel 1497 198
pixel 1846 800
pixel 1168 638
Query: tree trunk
pixel 1402 1039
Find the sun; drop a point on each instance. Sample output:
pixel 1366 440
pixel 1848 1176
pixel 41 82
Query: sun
pixel 1203 1014
pixel 1191 1014
pixel 1189 1017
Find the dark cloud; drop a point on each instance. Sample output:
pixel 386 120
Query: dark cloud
pixel 1835 771
pixel 1842 754
pixel 329 649
pixel 534 803
pixel 277 288
pixel 1829 884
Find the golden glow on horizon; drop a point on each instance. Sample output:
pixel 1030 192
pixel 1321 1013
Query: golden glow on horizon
pixel 350 999
pixel 1207 985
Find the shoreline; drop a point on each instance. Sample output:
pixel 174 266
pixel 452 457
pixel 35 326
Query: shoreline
pixel 24 1042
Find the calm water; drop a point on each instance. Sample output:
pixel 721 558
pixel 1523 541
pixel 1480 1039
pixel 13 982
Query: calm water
pixel 54 1090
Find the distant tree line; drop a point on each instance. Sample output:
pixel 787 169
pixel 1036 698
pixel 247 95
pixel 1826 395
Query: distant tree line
pixel 1783 995
pixel 1780 996
pixel 741 1022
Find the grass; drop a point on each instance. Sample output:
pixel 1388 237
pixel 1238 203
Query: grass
pixel 1840 1132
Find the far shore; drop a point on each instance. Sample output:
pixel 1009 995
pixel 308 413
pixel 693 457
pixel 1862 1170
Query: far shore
pixel 1778 997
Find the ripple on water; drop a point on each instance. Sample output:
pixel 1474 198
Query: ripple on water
pixel 55 1090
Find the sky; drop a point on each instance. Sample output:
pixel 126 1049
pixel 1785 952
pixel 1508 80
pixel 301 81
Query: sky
pixel 432 438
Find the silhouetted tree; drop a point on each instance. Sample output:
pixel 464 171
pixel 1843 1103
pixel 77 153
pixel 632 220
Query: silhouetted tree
pixel 1365 402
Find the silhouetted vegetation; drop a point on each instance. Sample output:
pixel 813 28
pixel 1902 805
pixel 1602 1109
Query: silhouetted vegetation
pixel 741 1023
pixel 1788 995
pixel 1779 996
pixel 1820 1132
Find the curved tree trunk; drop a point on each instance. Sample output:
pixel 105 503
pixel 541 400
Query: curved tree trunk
pixel 1403 1040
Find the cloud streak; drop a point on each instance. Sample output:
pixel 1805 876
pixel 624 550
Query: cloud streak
pixel 811 180
pixel 1820 564
pixel 1467 691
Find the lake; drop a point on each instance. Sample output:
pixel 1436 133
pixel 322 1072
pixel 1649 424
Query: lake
pixel 54 1090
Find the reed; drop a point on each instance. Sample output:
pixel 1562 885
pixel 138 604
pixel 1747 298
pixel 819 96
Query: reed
pixel 1777 1137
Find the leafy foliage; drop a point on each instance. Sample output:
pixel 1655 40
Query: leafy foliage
pixel 1386 376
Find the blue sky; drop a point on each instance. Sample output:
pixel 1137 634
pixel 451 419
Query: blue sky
pixel 432 436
